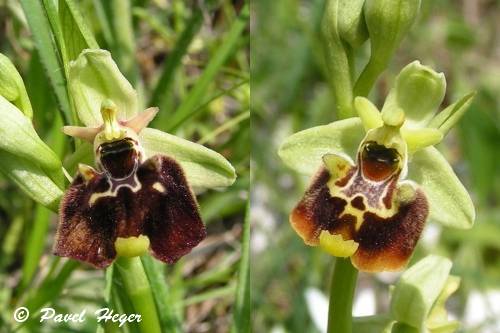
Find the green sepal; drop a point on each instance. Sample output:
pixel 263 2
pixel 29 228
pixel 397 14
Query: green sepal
pixel 417 290
pixel 31 179
pixel 95 77
pixel 12 86
pixel 20 138
pixel 447 118
pixel 304 150
pixel 450 203
pixel 204 168
pixel 418 92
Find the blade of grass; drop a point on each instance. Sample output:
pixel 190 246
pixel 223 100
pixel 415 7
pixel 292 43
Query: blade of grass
pixel 197 93
pixel 33 249
pixel 241 321
pixel 155 24
pixel 11 240
pixel 161 92
pixel 224 127
pixel 77 35
pixel 115 17
pixel 215 293
pixel 49 56
pixel 156 276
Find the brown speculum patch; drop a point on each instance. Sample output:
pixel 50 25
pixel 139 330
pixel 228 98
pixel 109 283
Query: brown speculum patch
pixel 126 198
pixel 362 204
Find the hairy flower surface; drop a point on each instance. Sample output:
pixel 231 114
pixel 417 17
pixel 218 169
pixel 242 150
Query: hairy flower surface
pixel 139 196
pixel 374 210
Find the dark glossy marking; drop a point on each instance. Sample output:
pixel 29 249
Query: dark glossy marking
pixel 119 158
pixel 358 203
pixel 379 162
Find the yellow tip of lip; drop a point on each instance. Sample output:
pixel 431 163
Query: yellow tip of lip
pixel 132 246
pixel 336 245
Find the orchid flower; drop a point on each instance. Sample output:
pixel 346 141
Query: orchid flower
pixel 139 196
pixel 378 176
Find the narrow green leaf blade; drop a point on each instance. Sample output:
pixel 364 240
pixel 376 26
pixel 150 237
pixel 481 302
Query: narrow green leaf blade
pixel 35 244
pixel 51 60
pixel 197 93
pixel 156 276
pixel 241 314
pixel 160 93
pixel 77 35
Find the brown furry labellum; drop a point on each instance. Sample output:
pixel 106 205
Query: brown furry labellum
pixel 128 197
pixel 366 210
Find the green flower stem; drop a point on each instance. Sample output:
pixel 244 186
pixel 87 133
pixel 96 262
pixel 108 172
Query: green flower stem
pixel 368 78
pixel 341 296
pixel 139 291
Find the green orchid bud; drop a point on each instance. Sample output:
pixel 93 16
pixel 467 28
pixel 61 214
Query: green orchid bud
pixel 12 86
pixel 418 92
pixel 437 321
pixel 337 57
pixel 95 78
pixel 351 24
pixel 387 21
pixel 418 289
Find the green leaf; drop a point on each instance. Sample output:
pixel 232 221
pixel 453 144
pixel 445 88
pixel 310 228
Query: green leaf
pixel 37 235
pixel 418 92
pixel 18 137
pixel 450 204
pixel 204 167
pixel 161 92
pixel 95 77
pixel 196 95
pixel 31 179
pixel 242 311
pixel 155 272
pixel 49 56
pixel 417 290
pixel 303 151
pixel 77 35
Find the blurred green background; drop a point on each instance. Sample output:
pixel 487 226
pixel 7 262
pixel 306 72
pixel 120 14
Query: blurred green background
pixel 163 47
pixel 290 92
